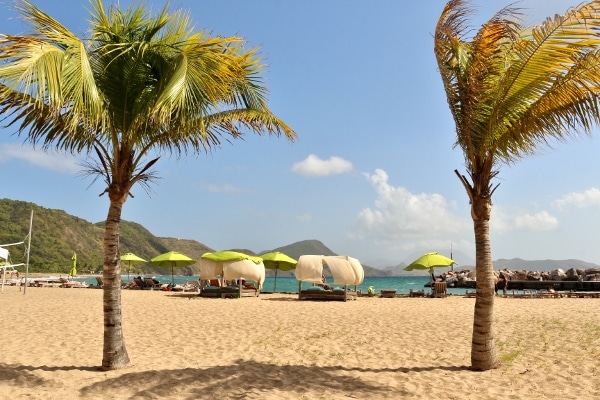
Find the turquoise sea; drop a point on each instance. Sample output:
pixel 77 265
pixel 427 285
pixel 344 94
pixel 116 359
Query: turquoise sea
pixel 402 284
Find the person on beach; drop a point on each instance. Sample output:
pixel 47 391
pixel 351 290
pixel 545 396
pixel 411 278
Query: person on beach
pixel 502 283
pixel 324 284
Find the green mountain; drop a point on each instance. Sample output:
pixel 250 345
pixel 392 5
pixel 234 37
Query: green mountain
pixel 56 235
pixel 295 250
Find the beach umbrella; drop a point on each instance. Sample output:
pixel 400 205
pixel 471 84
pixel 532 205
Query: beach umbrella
pixel 229 255
pixel 172 259
pixel 429 261
pixel 131 258
pixel 73 271
pixel 278 261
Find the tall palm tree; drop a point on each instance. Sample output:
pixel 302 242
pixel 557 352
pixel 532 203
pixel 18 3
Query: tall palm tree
pixel 138 84
pixel 510 89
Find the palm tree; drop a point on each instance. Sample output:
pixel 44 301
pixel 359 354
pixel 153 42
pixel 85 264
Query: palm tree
pixel 511 89
pixel 138 84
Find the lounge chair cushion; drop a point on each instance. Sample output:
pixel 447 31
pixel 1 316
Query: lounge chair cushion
pixel 315 288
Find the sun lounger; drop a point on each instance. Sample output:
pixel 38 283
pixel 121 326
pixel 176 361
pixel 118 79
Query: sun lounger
pixel 231 291
pixel 139 283
pixel 191 286
pixel 391 293
pixel 150 284
pixel 319 293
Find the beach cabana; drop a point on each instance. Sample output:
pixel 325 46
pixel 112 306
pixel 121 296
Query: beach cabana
pixel 346 271
pixel 230 265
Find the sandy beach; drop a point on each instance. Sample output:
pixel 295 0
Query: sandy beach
pixel 276 347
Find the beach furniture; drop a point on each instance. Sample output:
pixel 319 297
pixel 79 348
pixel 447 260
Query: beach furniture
pixel 439 289
pixel 191 286
pixel 390 293
pixel 139 283
pixel 345 270
pixel 319 293
pixel 238 270
pixel 230 291
pixel 150 284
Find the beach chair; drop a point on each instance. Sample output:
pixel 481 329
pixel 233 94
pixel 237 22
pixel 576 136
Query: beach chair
pixel 439 289
pixel 191 286
pixel 99 281
pixel 139 283
pixel 150 284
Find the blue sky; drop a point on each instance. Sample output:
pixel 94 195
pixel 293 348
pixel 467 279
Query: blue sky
pixel 372 172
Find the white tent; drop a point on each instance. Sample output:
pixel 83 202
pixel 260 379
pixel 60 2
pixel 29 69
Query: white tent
pixel 344 269
pixel 3 253
pixel 309 269
pixel 210 269
pixel 244 269
pixel 232 270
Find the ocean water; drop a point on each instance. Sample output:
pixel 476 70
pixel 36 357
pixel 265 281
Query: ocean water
pixel 402 284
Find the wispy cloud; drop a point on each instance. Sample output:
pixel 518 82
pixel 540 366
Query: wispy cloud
pixel 314 166
pixel 586 199
pixel 504 222
pixel 541 221
pixel 399 214
pixel 223 188
pixel 306 217
pixel 54 162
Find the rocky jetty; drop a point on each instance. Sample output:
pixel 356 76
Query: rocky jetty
pixel 467 278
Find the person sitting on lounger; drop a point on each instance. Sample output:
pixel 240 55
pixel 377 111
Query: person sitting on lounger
pixel 324 285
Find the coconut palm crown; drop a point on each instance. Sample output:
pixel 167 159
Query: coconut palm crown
pixel 137 85
pixel 511 89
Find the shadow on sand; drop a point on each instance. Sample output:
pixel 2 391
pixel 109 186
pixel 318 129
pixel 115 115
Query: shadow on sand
pixel 244 378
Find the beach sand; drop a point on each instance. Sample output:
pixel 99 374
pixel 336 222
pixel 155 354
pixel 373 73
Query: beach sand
pixel 277 347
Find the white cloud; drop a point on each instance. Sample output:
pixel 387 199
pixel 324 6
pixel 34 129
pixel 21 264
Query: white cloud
pixel 314 166
pixel 399 215
pixel 541 221
pixel 224 188
pixel 504 222
pixel 304 217
pixel 59 163
pixel 587 199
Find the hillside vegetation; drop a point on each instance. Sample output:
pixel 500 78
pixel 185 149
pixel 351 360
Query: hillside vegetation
pixel 56 235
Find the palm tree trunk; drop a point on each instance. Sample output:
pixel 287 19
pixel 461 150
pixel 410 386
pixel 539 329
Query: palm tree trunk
pixel 483 349
pixel 114 354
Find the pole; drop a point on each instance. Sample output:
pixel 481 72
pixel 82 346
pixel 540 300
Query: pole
pixel 452 265
pixel 27 254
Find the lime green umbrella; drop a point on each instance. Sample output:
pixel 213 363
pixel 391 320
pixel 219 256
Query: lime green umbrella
pixel 429 261
pixel 131 258
pixel 229 255
pixel 278 261
pixel 172 259
pixel 73 271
